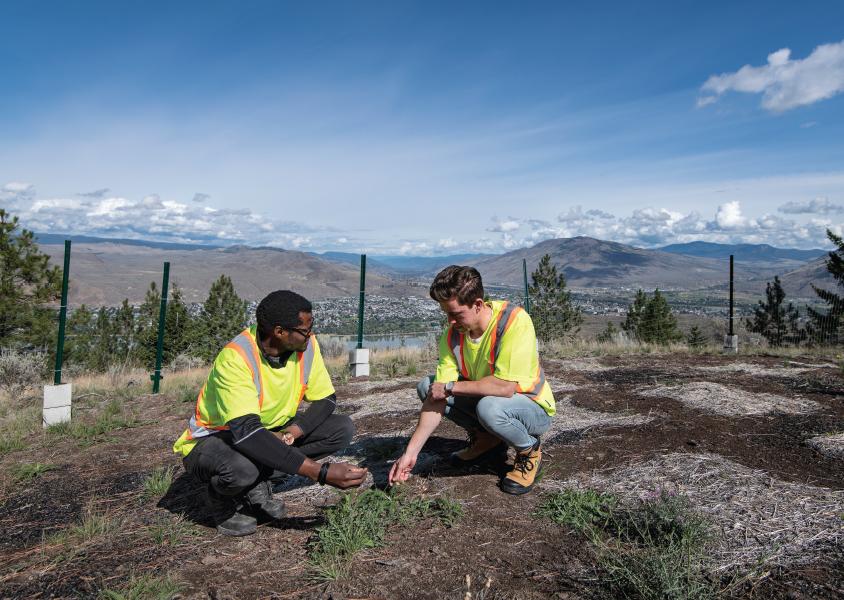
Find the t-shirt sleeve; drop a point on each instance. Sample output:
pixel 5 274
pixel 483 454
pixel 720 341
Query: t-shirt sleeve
pixel 319 381
pixel 231 380
pixel 518 358
pixel 447 366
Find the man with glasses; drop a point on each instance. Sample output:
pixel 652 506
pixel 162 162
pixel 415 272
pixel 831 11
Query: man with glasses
pixel 247 424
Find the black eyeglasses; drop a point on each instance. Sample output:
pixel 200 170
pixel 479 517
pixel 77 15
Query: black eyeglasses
pixel 303 332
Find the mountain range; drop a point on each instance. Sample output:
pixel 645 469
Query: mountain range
pixel 105 271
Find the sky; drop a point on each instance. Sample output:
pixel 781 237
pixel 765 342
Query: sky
pixel 424 128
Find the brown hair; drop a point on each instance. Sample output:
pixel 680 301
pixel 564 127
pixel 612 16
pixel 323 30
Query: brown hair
pixel 463 283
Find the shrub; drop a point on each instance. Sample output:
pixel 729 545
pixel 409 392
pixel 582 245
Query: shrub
pixel 20 370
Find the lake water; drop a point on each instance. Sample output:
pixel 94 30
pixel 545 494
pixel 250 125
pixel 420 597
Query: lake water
pixel 381 341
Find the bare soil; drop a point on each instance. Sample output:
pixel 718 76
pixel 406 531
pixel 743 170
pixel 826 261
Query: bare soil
pixel 614 431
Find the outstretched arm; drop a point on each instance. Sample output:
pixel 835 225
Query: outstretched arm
pixel 429 419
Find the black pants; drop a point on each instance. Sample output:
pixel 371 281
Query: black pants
pixel 214 460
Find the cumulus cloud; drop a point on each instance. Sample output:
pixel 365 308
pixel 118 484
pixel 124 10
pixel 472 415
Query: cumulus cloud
pixel 15 193
pixel 201 198
pixel 729 216
pixel 819 206
pixel 153 218
pixel 784 83
pixel 504 225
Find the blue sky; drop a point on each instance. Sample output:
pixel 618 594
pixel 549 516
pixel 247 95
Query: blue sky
pixel 424 128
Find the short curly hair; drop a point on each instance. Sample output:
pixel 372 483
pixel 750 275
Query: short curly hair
pixel 280 308
pixel 463 283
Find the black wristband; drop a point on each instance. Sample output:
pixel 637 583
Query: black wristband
pixel 323 473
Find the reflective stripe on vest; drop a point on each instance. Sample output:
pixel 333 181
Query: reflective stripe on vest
pixel 246 346
pixel 505 318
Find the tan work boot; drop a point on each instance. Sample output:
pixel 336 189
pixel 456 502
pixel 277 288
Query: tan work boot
pixel 525 467
pixel 482 446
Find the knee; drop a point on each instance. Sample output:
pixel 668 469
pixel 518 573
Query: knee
pixel 345 430
pixel 236 477
pixel 489 411
pixel 423 386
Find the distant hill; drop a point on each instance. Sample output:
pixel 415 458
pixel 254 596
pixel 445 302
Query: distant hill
pixel 348 258
pixel 762 253
pixel 590 263
pixel 427 265
pixel 105 273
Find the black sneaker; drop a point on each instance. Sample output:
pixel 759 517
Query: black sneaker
pixel 261 502
pixel 227 515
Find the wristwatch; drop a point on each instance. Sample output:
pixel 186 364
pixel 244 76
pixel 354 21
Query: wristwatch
pixel 449 387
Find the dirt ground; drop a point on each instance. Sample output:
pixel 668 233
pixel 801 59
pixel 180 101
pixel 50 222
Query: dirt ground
pixel 737 435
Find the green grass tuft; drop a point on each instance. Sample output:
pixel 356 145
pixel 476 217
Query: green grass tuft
pixel 112 418
pixel 158 482
pixel 654 550
pixel 28 471
pixel 145 587
pixel 360 521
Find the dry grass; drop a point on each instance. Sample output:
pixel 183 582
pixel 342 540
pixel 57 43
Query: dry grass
pixel 574 418
pixel 730 401
pixel 830 445
pixel 760 519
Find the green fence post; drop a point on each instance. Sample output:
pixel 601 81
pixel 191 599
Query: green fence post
pixel 57 373
pixel 527 294
pixel 361 300
pixel 162 315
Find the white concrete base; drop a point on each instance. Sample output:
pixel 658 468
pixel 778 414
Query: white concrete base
pixel 359 362
pixel 57 399
pixel 730 344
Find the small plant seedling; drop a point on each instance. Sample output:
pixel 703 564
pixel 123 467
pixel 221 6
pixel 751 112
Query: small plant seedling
pixel 28 471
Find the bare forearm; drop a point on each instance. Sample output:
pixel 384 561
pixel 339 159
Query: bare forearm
pixel 429 419
pixel 488 386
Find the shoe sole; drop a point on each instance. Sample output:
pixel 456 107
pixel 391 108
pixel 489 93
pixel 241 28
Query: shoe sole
pixel 513 490
pixel 235 532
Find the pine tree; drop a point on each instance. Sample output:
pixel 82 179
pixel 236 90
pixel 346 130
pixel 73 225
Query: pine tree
pixel 552 311
pixel 775 321
pixel 101 355
pixel 695 339
pixel 826 327
pixel 79 341
pixel 27 283
pixel 147 327
pixel 634 315
pixel 650 320
pixel 178 327
pixel 125 331
pixel 223 317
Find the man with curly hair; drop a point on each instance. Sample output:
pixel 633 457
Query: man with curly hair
pixel 248 425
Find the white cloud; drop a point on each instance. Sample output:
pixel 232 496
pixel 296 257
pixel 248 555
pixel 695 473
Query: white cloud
pixel 504 225
pixel 784 83
pixel 729 216
pixel 201 198
pixel 820 206
pixel 18 187
pixel 100 193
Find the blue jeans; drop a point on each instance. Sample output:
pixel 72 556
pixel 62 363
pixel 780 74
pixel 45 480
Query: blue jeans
pixel 516 420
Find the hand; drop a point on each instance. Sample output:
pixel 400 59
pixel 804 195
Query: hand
pixel 401 468
pixel 290 434
pixel 437 392
pixel 344 475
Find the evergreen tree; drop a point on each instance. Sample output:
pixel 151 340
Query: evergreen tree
pixel 658 324
pixel 775 321
pixel 552 311
pixel 634 315
pixel 696 339
pixel 102 352
pixel 650 320
pixel 825 327
pixel 223 317
pixel 79 341
pixel 147 327
pixel 27 283
pixel 125 331
pixel 178 326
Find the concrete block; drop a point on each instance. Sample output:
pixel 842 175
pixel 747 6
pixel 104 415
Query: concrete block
pixel 57 401
pixel 359 355
pixel 359 362
pixel 731 344
pixel 360 370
